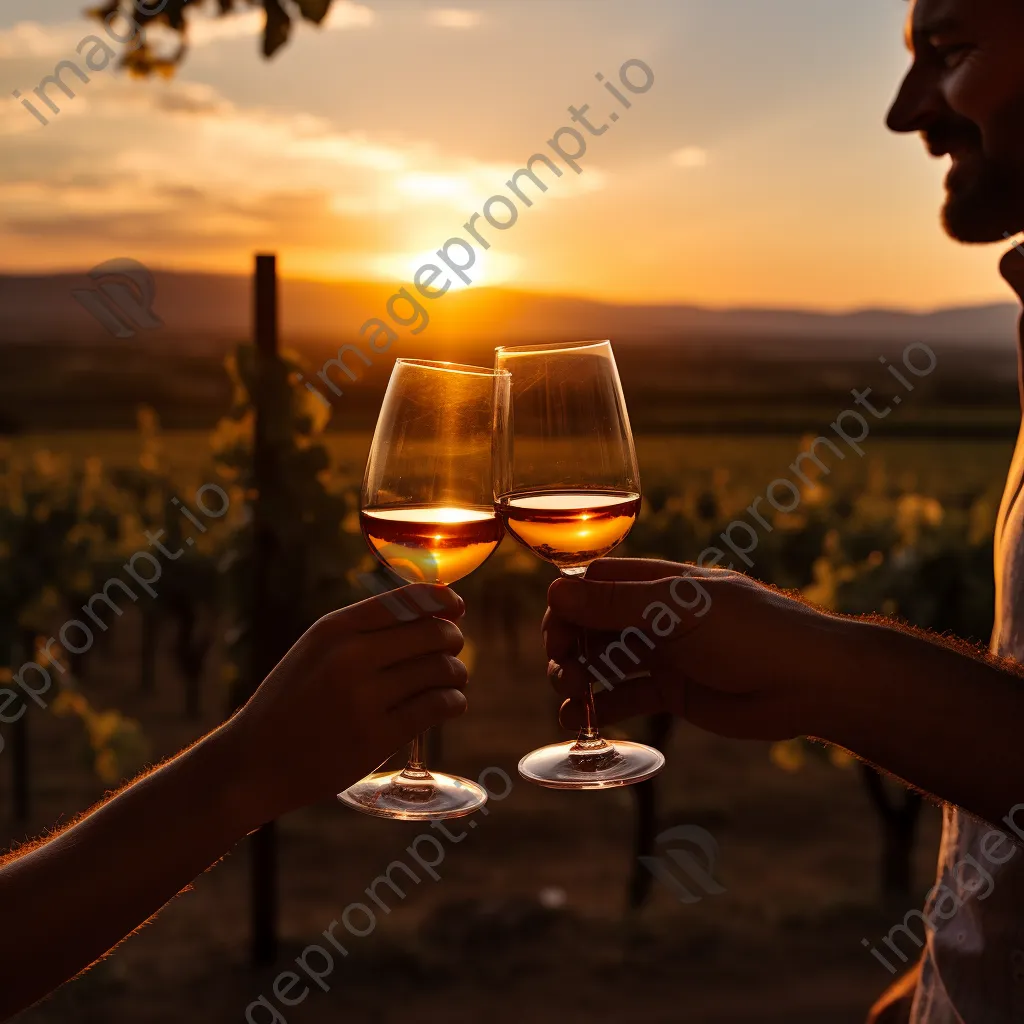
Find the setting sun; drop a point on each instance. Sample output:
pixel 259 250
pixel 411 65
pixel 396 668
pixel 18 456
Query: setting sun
pixel 490 269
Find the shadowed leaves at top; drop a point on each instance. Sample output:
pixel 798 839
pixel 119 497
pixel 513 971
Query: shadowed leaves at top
pixel 144 60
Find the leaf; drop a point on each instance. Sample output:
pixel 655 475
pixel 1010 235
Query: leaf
pixel 278 27
pixel 840 758
pixel 789 755
pixel 314 10
pixel 105 766
pixel 99 13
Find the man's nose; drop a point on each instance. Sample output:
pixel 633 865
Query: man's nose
pixel 918 104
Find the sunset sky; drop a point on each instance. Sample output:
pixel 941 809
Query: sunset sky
pixel 756 170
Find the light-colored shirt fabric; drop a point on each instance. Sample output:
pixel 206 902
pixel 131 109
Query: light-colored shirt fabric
pixel 973 966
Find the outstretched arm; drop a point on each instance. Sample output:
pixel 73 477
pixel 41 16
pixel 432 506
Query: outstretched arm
pixel 352 690
pixel 942 716
pixel 744 660
pixel 69 899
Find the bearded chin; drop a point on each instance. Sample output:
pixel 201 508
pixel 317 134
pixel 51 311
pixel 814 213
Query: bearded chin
pixel 988 208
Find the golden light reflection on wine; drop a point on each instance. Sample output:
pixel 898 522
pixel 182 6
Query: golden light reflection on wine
pixel 549 523
pixel 431 544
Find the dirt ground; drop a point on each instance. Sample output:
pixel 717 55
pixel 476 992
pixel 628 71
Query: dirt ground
pixel 528 919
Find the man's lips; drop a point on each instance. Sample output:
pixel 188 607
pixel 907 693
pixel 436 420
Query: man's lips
pixel 955 144
pixel 957 150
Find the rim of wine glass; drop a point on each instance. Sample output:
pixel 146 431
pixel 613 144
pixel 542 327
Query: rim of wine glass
pixel 439 364
pixel 557 347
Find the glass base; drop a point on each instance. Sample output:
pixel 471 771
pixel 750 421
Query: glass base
pixel 594 765
pixel 419 796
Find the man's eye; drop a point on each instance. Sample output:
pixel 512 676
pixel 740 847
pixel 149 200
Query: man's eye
pixel 953 56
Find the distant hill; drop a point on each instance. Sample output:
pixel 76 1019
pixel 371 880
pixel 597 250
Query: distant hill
pixel 202 311
pixel 683 368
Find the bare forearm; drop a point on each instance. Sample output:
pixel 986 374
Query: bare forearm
pixel 945 721
pixel 70 900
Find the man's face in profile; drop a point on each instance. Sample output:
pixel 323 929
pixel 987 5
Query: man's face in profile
pixel 965 94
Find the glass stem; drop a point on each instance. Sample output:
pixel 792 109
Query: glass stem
pixel 589 733
pixel 589 740
pixel 415 768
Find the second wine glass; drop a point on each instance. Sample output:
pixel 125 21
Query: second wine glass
pixel 567 487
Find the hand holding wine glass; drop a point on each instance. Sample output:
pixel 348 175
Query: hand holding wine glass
pixel 427 514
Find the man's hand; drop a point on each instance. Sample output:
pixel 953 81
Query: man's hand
pixel 356 686
pixel 714 646
pixel 743 660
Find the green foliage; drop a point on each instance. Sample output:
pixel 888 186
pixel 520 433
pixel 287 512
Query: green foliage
pixel 66 528
pixel 878 544
pixel 312 513
pixel 55 520
pixel 116 748
pixel 59 526
pixel 862 539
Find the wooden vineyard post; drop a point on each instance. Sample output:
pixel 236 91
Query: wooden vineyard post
pixel 20 763
pixel 263 842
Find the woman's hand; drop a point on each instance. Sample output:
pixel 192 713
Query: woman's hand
pixel 356 686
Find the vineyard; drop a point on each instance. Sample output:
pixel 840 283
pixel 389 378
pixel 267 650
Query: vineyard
pixel 894 532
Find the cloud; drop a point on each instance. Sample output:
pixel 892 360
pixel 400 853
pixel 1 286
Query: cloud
pixel 304 219
pixel 348 14
pixel 189 98
pixel 29 39
pixel 204 30
pixel 16 119
pixel 177 171
pixel 454 17
pixel 689 157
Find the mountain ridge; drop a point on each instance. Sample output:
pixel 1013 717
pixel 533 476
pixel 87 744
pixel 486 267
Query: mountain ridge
pixel 211 307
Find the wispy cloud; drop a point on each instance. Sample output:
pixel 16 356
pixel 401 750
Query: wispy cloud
pixel 349 15
pixel 454 17
pixel 332 199
pixel 204 31
pixel 689 157
pixel 29 39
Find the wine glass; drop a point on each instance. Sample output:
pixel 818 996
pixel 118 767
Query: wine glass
pixel 567 487
pixel 428 514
